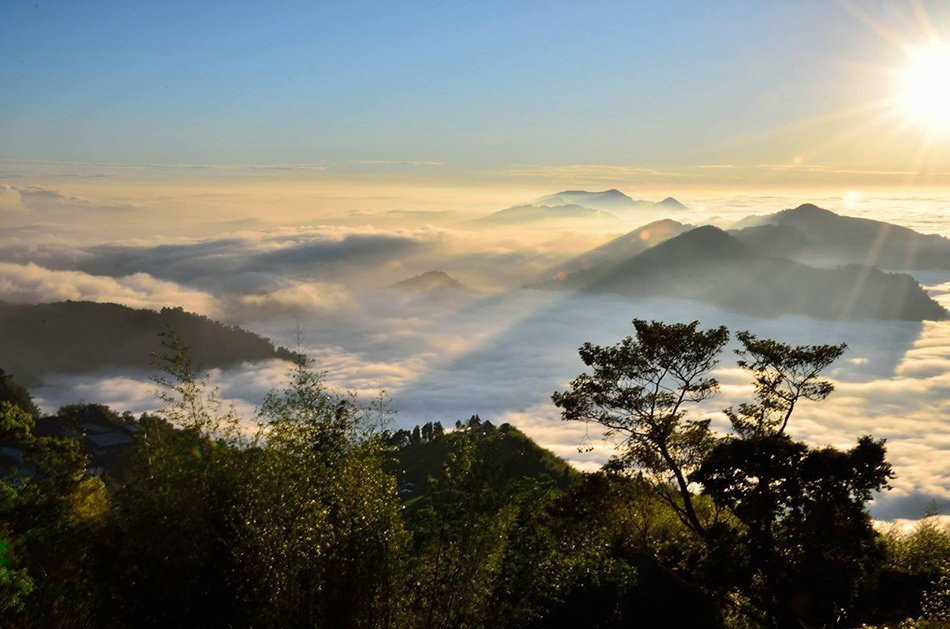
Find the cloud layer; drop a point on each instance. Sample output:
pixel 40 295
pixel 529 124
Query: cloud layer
pixel 498 351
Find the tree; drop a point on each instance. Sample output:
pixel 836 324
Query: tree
pixel 808 541
pixel 639 390
pixel 795 537
pixel 184 387
pixel 168 558
pixel 48 505
pixel 467 568
pixel 318 518
pixel 783 374
pixel 14 393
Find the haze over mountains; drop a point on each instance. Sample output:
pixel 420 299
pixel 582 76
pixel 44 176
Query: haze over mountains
pixel 709 265
pixel 530 213
pixel 820 237
pixel 609 200
pixel 469 339
pixel 607 206
pixel 618 249
pixel 429 282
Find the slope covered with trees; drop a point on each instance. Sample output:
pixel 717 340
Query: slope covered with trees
pixel 301 522
pixel 77 336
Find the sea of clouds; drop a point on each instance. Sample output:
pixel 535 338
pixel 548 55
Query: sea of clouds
pixel 497 349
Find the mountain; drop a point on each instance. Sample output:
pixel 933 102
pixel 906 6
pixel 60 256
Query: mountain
pixel 581 204
pixel 709 265
pixel 619 249
pixel 609 200
pixel 428 282
pixel 533 213
pixel 80 336
pixel 671 204
pixel 814 235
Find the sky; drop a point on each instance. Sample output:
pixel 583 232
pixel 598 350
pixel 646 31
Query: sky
pixel 691 94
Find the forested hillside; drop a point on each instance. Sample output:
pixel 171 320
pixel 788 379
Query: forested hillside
pixel 321 517
pixel 78 336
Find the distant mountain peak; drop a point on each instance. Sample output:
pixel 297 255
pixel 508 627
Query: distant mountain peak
pixel 820 237
pixel 612 192
pixel 611 198
pixel 707 231
pixel 430 281
pixel 707 264
pixel 670 202
pixel 809 209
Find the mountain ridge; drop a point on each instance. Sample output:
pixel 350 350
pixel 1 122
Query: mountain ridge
pixel 815 235
pixel 707 264
pixel 82 336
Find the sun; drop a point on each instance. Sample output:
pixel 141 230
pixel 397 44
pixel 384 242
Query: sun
pixel 925 89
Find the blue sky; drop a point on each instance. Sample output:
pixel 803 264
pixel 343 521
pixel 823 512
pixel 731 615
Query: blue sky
pixel 472 86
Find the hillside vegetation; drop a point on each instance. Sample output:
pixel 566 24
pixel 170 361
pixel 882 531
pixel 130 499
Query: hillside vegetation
pixel 319 518
pixel 79 336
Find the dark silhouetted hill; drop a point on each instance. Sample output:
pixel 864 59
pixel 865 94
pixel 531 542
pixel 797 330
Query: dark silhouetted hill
pixel 817 236
pixel 618 250
pixel 80 336
pixel 428 282
pixel 709 265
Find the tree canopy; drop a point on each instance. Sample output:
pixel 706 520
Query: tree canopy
pixel 314 514
pixel 792 517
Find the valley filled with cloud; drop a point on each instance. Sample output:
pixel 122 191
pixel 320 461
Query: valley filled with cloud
pixel 483 336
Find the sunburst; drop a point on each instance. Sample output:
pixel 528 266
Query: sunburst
pixel 925 87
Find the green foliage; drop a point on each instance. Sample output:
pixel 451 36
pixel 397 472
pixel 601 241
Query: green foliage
pixel 807 538
pixel 318 518
pixel 483 553
pixel 455 566
pixel 17 395
pixel 295 519
pixel 45 506
pixel 916 579
pixel 78 336
pixel 618 555
pixel 638 389
pixel 783 374
pixel 514 453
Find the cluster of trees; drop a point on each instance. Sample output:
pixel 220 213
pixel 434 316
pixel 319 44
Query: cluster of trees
pixel 427 433
pixel 296 518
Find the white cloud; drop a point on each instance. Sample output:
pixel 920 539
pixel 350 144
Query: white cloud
pixel 30 283
pixel 501 355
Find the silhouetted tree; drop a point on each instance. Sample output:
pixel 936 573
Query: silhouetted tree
pixel 807 538
pixel 639 389
pixel 796 538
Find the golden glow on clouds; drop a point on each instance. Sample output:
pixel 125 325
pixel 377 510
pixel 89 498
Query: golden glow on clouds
pixel 926 87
